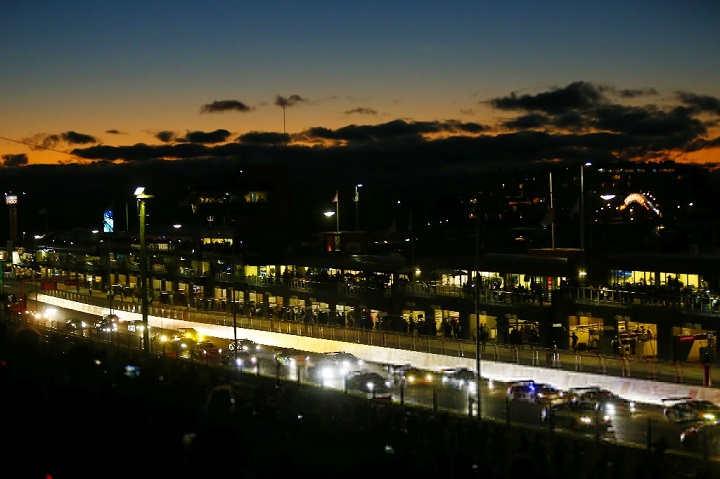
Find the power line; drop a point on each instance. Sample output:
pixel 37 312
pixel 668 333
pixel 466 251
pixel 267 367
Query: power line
pixel 41 147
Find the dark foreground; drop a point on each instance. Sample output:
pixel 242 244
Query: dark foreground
pixel 74 412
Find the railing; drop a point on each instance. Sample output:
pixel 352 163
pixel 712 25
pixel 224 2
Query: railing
pixel 589 362
pixel 695 303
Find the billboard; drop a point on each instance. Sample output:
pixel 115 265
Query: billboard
pixel 108 222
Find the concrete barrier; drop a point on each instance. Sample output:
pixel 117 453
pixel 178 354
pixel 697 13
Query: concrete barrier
pixel 634 389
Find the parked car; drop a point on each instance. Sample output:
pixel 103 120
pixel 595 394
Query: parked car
pixel 411 375
pixel 686 409
pixel 293 357
pixel 108 323
pixel 699 436
pixel 459 378
pixel 244 344
pixel 135 326
pixel 75 325
pixel 606 399
pixel 206 350
pixel 578 416
pixel 345 360
pixel 536 393
pixel 328 369
pixel 370 384
pixel 190 333
pixel 240 358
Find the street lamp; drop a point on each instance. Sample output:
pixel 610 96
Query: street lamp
pixel 330 214
pixel 357 206
pixel 476 287
pixel 337 227
pixel 141 197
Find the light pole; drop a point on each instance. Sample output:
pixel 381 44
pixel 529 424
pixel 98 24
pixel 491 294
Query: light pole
pixel 337 230
pixel 141 197
pixel 357 206
pixel 336 200
pixel 232 304
pixel 476 292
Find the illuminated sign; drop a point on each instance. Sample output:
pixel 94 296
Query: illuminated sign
pixel 108 222
pixel 11 199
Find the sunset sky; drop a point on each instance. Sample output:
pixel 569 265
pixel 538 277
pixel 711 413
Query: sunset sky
pixel 529 80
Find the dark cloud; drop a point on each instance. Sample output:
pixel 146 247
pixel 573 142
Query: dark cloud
pixel 361 111
pixel 700 103
pixel 580 122
pixel 113 132
pixel 15 160
pixel 649 122
pixel 225 105
pixel 44 141
pixel 217 136
pixel 454 126
pixel 165 136
pixel 288 102
pixel 533 120
pixel 264 138
pixel 75 138
pixel 576 96
pixel 637 93
pixel 392 131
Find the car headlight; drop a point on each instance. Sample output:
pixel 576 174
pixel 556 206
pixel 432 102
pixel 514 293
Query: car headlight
pixel 586 420
pixel 708 416
pixel 610 408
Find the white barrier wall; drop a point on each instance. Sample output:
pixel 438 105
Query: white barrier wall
pixel 634 389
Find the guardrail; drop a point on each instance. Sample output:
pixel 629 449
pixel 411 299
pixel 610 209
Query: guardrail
pixel 692 373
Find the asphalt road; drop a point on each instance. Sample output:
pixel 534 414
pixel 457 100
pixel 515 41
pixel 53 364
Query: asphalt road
pixel 647 426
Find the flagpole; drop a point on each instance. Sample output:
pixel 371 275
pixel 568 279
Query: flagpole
pixel 552 212
pixel 337 214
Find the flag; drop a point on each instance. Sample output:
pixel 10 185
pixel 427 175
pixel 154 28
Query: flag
pixel 335 200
